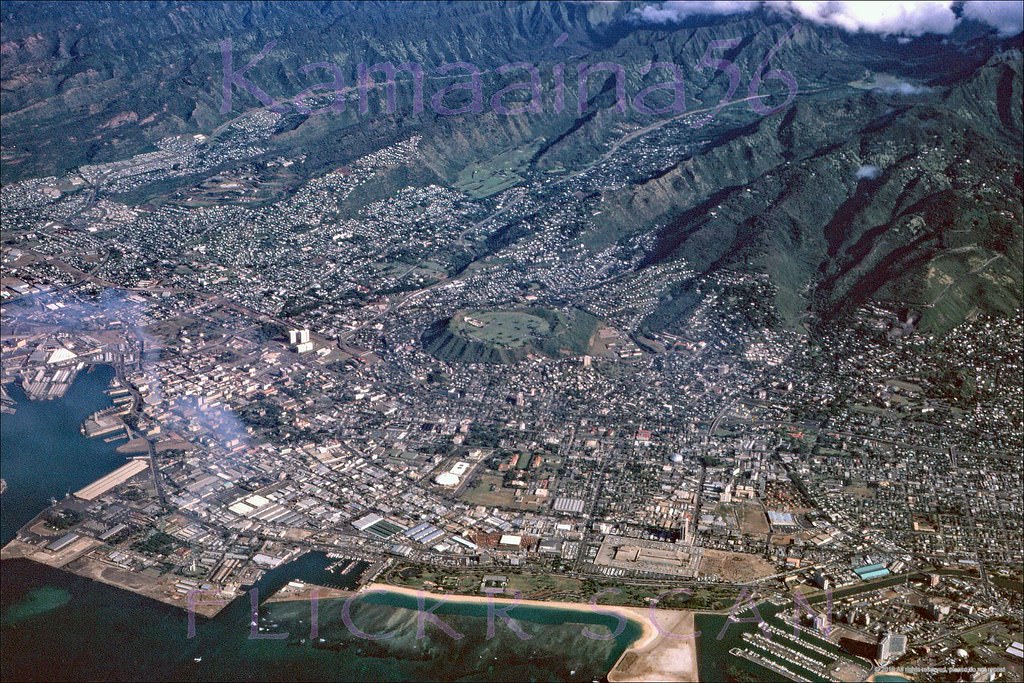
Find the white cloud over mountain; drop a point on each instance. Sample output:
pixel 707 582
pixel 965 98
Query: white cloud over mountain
pixel 896 17
pixel 674 11
pixel 885 18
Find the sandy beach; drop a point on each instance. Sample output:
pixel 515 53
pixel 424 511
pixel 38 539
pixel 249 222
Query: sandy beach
pixel 653 657
pixel 637 614
pixel 669 657
pixel 665 651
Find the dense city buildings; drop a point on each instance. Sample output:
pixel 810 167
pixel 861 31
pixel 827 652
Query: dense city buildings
pixel 511 373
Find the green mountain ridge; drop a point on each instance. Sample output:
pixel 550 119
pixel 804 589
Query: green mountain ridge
pixel 938 230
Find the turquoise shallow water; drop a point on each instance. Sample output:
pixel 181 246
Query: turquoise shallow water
pixel 58 626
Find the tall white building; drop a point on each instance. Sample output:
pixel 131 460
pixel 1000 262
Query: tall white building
pixel 891 646
pixel 299 340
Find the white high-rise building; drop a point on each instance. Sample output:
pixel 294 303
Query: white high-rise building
pixel 300 338
pixel 891 646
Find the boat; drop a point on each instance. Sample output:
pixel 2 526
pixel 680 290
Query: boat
pixel 197 659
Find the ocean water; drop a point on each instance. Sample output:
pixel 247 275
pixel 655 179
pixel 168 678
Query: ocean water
pixel 58 626
pixel 43 453
pixel 718 635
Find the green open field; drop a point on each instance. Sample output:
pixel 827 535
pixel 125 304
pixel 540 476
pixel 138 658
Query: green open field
pixel 494 175
pixel 487 490
pixel 510 335
pixel 552 586
pixel 426 272
pixel 504 328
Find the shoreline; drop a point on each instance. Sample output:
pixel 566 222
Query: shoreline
pixel 305 592
pixel 655 655
pixel 651 657
pixel 634 614
pixel 76 561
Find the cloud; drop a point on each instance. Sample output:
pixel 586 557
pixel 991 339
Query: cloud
pixel 868 172
pixel 674 11
pixel 883 18
pixel 903 88
pixel 1006 17
pixel 897 17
